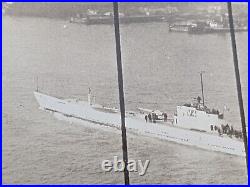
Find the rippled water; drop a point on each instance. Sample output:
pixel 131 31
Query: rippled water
pixel 161 70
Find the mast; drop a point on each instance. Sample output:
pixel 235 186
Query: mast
pixel 237 76
pixel 121 93
pixel 89 97
pixel 37 83
pixel 202 90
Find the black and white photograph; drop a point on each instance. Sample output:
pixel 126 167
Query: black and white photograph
pixel 124 93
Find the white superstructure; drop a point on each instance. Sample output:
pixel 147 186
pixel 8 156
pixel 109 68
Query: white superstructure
pixel 191 117
pixel 136 123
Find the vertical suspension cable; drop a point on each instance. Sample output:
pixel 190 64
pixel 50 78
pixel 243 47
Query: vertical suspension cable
pixel 237 75
pixel 121 92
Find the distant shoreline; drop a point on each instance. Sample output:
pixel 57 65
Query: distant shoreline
pixel 39 17
pixel 65 11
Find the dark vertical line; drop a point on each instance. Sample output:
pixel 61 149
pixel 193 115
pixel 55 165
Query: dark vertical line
pixel 237 75
pixel 121 93
pixel 202 90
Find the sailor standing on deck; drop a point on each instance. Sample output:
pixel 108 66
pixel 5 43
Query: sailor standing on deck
pixel 154 117
pixel 149 118
pixel 199 99
pixel 165 116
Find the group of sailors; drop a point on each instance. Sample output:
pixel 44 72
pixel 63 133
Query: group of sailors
pixel 200 106
pixel 152 117
pixel 228 130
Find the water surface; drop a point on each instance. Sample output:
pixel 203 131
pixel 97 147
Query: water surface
pixel 161 71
